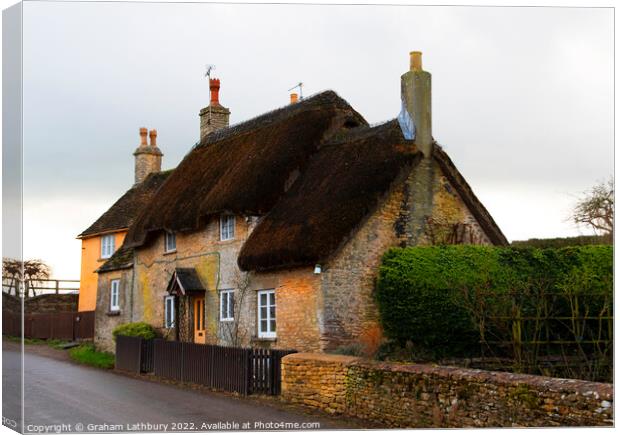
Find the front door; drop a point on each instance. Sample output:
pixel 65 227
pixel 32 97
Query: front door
pixel 199 320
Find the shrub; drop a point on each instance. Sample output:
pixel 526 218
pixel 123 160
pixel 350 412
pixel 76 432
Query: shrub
pixel 88 355
pixel 136 329
pixel 446 300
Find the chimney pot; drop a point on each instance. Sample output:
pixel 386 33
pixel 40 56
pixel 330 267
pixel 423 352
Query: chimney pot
pixel 214 87
pixel 294 98
pixel 153 136
pixel 143 133
pixel 415 61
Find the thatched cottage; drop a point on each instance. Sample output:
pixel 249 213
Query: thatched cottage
pixel 270 232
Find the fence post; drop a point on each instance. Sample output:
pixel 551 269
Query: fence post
pixel 57 282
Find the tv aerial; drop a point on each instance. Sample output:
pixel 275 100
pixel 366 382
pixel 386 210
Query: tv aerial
pixel 298 85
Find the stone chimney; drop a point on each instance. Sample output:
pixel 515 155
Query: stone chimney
pixel 148 156
pixel 214 116
pixel 415 94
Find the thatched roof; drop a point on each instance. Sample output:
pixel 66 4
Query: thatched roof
pixel 243 169
pixel 124 211
pixel 121 259
pixel 343 183
pixel 476 208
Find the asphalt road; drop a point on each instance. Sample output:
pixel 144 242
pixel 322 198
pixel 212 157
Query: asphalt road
pixel 71 398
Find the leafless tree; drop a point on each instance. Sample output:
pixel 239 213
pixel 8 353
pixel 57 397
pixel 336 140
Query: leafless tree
pixel 30 271
pixel 595 208
pixel 235 331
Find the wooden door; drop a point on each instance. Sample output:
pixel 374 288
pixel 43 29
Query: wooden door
pixel 199 320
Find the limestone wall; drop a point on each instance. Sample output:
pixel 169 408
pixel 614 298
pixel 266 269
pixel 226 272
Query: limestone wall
pixel 417 395
pixel 349 314
pixel 45 303
pixel 105 319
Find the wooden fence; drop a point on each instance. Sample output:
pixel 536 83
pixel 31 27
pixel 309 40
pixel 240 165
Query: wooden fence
pixel 62 326
pixel 241 370
pixel 42 286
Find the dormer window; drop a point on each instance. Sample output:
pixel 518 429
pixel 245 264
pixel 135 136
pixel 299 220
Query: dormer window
pixel 227 227
pixel 107 246
pixel 170 242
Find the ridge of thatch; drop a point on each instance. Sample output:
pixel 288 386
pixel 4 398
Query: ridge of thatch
pixel 342 184
pixel 314 101
pixel 242 169
pixel 124 211
pixel 477 209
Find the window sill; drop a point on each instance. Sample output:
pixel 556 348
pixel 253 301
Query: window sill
pixel 227 320
pixel 265 339
pixel 170 252
pixel 102 259
pixel 113 313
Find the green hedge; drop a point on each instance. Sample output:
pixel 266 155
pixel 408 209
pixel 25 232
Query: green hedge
pixel 136 329
pixel 445 300
pixel 563 242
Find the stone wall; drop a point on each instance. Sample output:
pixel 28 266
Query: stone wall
pixel 46 303
pixel 417 395
pixel 106 320
pixel 350 315
pixel 50 303
pixel 297 297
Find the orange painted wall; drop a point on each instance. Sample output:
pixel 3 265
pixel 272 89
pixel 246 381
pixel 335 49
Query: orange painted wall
pixel 91 261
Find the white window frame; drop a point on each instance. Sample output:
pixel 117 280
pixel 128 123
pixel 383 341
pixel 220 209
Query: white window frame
pixel 115 286
pixel 107 245
pixel 229 315
pixel 168 238
pixel 227 231
pixel 169 305
pixel 268 333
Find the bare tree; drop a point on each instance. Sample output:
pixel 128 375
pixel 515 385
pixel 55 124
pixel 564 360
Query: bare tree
pixel 235 331
pixel 596 208
pixel 30 271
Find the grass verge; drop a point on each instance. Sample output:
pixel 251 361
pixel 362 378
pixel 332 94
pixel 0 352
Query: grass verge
pixel 88 355
pixel 55 343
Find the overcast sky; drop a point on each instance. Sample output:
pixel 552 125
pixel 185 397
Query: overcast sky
pixel 522 97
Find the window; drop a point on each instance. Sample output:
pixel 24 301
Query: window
pixel 227 305
pixel 107 246
pixel 114 288
pixel 171 242
pixel 169 312
pixel 227 227
pixel 267 314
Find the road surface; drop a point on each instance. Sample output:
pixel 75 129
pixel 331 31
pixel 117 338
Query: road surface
pixel 65 397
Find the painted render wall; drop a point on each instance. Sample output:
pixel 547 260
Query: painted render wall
pixel 91 261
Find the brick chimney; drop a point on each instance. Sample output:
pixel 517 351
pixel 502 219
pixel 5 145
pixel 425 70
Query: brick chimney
pixel 148 156
pixel 214 116
pixel 294 98
pixel 415 94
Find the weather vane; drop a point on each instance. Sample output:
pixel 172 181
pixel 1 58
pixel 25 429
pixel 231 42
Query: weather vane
pixel 209 68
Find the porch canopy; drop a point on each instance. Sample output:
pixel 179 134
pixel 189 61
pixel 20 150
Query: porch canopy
pixel 184 281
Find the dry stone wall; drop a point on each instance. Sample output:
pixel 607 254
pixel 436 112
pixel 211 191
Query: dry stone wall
pixel 418 395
